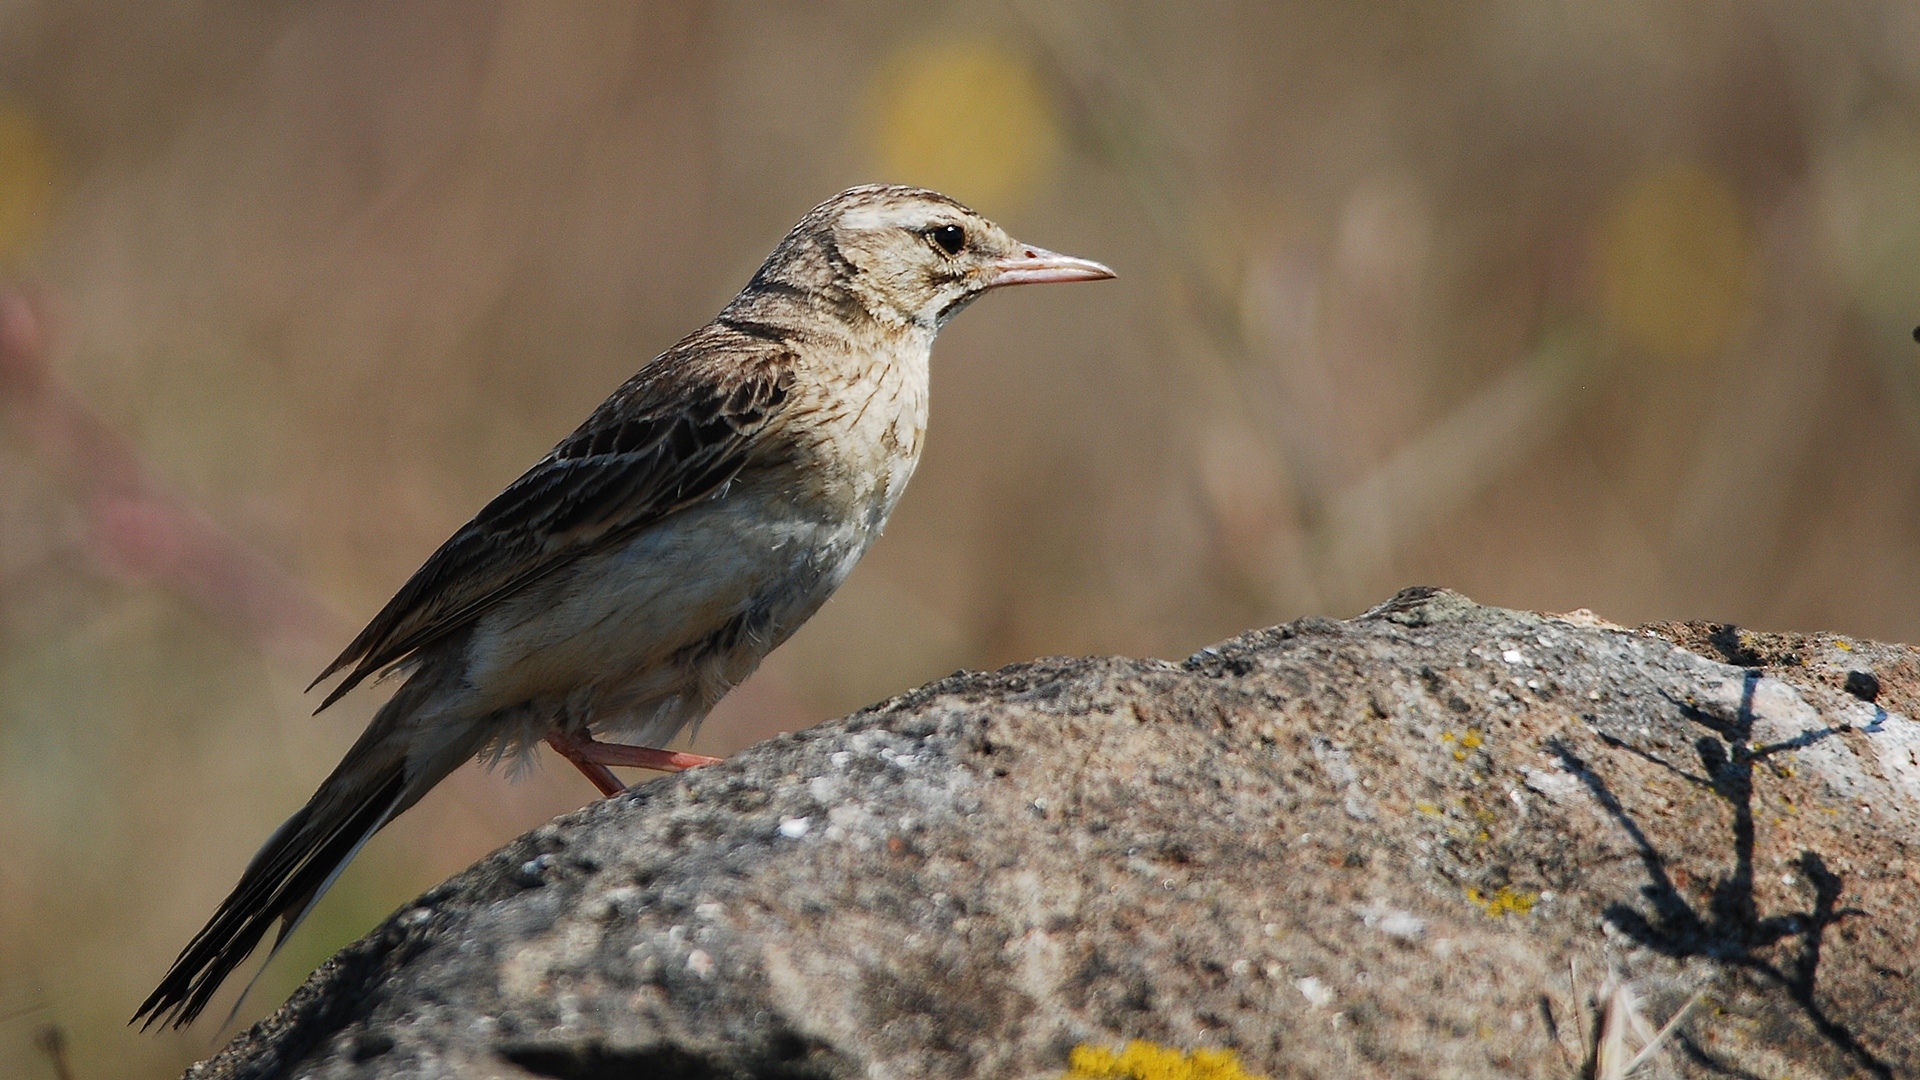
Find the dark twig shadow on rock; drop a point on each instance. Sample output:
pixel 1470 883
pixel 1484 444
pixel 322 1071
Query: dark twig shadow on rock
pixel 1731 929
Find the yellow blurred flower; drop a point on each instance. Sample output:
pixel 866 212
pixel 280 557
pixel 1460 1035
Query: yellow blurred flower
pixel 968 118
pixel 1675 261
pixel 26 181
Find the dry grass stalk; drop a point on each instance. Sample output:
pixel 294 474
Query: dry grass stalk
pixel 1621 1020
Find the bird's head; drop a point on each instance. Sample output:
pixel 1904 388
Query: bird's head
pixel 908 257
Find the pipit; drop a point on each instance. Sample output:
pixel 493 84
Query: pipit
pixel 648 563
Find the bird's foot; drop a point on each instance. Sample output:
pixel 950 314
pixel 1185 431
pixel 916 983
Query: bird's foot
pixel 592 759
pixel 643 757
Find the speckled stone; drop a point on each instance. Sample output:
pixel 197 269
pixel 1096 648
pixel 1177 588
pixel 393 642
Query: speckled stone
pixel 1412 844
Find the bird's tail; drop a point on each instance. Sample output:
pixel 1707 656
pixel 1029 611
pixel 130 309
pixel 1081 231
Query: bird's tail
pixel 301 860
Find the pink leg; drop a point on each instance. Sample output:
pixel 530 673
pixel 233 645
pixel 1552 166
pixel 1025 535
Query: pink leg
pixel 592 759
pixel 599 775
pixel 643 757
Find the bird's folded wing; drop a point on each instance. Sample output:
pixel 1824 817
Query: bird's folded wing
pixel 675 434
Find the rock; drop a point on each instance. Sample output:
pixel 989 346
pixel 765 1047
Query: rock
pixel 1440 839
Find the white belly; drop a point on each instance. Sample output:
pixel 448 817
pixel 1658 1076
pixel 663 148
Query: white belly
pixel 643 639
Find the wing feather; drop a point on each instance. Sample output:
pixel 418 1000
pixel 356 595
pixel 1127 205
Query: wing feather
pixel 675 434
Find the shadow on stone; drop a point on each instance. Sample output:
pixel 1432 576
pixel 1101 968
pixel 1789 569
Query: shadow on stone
pixel 1731 929
pixel 790 1058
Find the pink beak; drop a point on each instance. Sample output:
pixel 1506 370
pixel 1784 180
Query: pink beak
pixel 1038 266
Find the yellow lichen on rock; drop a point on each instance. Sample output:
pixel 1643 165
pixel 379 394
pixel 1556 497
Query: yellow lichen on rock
pixel 1505 901
pixel 1147 1061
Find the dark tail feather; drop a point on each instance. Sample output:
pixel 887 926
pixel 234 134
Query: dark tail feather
pixel 295 866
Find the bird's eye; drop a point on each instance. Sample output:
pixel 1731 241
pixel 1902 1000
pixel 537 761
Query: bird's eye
pixel 949 238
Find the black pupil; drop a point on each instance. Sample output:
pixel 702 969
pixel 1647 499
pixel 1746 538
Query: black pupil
pixel 951 238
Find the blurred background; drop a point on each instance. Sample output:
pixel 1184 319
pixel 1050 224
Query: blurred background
pixel 1562 303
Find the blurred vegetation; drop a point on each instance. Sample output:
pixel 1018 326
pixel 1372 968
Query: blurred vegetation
pixel 26 182
pixel 967 117
pixel 1564 304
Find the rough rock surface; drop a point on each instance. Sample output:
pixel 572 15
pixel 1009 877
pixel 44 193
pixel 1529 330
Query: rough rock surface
pixel 1413 844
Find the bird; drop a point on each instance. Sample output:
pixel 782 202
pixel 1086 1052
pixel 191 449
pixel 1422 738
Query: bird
pixel 651 560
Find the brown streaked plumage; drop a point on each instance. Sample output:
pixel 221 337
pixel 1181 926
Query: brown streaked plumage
pixel 672 436
pixel 648 563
